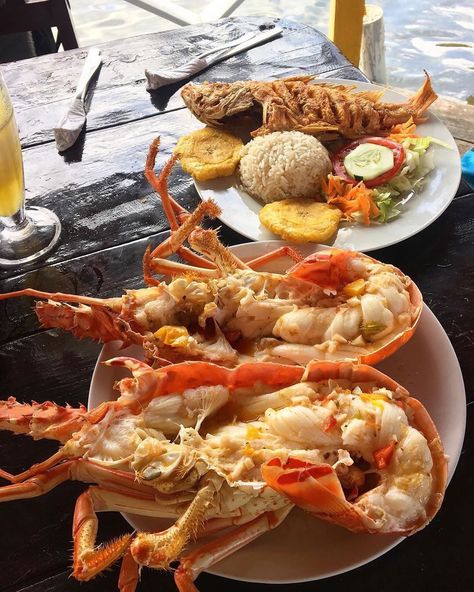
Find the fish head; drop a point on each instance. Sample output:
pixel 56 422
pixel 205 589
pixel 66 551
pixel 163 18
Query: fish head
pixel 214 103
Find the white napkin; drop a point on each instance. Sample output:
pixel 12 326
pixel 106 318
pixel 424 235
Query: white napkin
pixel 73 119
pixel 164 77
pixel 158 78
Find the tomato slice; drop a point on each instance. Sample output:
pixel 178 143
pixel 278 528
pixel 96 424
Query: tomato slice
pixel 398 160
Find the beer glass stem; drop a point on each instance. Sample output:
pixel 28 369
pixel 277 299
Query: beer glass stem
pixel 16 222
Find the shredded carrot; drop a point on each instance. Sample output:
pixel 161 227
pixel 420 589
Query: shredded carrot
pixel 350 199
pixel 402 131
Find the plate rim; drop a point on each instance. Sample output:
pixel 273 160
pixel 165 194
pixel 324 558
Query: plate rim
pixel 454 459
pixel 199 186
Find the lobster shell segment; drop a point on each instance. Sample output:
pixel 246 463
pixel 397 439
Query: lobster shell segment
pixel 41 420
pixel 316 489
pixel 148 383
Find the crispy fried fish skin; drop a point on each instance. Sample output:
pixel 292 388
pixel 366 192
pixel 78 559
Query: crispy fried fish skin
pixel 301 220
pixel 322 110
pixel 209 153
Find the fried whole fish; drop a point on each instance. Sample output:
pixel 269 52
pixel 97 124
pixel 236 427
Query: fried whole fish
pixel 323 110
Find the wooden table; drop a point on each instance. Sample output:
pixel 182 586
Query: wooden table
pixel 109 215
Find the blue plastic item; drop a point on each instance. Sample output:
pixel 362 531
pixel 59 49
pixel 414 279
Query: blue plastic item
pixel 467 165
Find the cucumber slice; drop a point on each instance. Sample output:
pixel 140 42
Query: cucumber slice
pixel 368 161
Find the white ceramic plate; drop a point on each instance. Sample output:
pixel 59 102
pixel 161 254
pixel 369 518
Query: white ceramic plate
pixel 240 211
pixel 303 548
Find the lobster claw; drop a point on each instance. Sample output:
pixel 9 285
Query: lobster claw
pixel 329 268
pixel 316 489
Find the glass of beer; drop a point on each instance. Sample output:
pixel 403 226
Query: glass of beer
pixel 25 234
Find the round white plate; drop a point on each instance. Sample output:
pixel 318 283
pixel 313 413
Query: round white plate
pixel 303 548
pixel 240 211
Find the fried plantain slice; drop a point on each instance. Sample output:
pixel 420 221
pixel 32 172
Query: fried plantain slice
pixel 301 220
pixel 209 153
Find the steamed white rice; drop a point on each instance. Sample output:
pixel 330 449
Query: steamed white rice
pixel 283 165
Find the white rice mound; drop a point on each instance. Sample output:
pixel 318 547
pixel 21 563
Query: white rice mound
pixel 283 165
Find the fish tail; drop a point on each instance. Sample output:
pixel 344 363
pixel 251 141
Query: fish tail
pixel 423 98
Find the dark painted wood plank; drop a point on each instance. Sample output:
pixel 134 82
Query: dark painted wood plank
pixel 42 87
pixel 103 199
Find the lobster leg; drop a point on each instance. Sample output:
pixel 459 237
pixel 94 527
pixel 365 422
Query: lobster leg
pixel 176 239
pixel 159 549
pixel 7 476
pixel 193 564
pixel 122 485
pixel 89 560
pixel 160 185
pixel 36 469
pixel 129 573
pixel 112 303
pixel 156 260
pixel 189 223
pixel 170 206
pixel 165 267
pixel 38 484
pixel 207 243
pixel 284 251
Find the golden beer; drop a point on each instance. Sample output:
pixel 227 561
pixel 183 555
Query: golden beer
pixel 25 234
pixel 11 163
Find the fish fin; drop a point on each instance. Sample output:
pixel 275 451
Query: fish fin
pixel 316 128
pixel 338 87
pixel 373 96
pixel 424 97
pixel 307 78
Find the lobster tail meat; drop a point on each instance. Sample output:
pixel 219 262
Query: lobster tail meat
pixel 403 497
pixel 148 383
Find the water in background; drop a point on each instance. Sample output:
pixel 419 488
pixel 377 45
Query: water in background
pixel 418 34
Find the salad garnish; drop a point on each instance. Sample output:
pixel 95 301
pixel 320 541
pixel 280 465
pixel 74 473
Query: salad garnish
pixel 366 187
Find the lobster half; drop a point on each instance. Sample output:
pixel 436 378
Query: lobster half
pixel 231 452
pixel 334 305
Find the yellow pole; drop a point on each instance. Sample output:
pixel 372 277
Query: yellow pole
pixel 345 27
